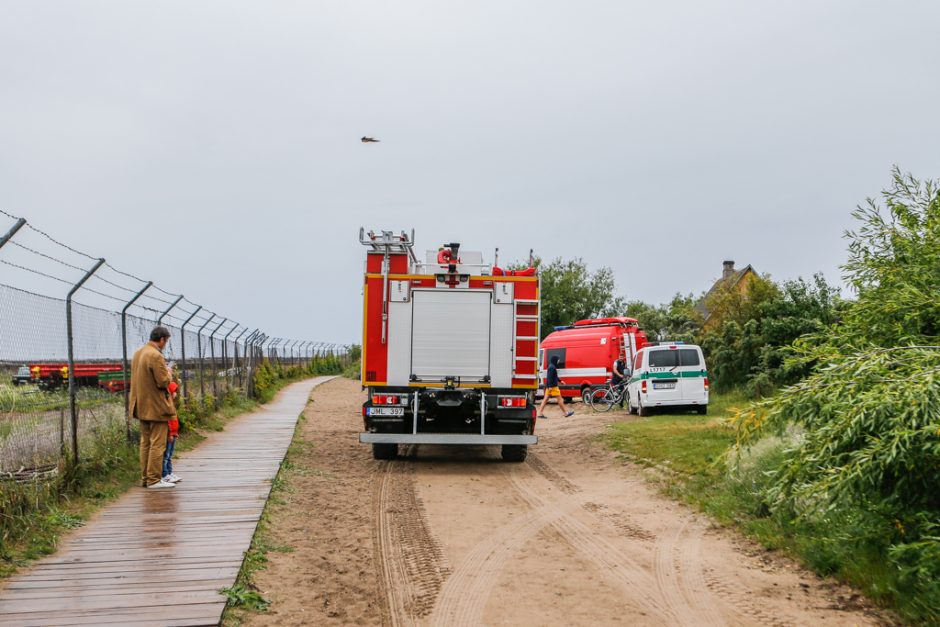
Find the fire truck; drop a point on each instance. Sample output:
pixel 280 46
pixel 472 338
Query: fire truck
pixel 449 348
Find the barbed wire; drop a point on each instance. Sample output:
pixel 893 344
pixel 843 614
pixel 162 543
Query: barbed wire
pixel 49 257
pixel 55 241
pixel 42 274
pixel 127 274
pixel 111 283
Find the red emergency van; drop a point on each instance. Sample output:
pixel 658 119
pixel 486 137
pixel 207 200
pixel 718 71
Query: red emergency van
pixel 587 350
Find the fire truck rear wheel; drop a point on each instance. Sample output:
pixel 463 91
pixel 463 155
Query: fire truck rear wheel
pixel 384 451
pixel 514 452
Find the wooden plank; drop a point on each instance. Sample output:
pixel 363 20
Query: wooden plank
pixel 188 614
pixel 106 579
pixel 111 588
pixel 117 602
pixel 161 557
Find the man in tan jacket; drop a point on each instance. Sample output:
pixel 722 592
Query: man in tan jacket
pixel 150 403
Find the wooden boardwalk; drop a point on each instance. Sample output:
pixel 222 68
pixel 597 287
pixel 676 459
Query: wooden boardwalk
pixel 159 557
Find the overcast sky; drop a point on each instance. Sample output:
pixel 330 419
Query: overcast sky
pixel 213 147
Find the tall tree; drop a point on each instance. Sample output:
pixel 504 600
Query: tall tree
pixel 570 291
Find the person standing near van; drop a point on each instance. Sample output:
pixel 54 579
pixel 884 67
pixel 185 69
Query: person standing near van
pixel 618 374
pixel 150 403
pixel 552 390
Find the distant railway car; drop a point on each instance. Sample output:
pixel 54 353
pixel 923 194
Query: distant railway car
pixel 52 375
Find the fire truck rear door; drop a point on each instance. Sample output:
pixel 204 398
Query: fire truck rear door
pixel 450 335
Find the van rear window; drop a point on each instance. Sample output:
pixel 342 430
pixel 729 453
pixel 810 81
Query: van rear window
pixel 664 359
pixel 688 357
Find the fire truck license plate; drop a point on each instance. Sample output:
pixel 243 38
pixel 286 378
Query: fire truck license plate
pixel 386 411
pixel 664 386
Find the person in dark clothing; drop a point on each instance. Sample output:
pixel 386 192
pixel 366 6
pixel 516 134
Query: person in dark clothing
pixel 618 376
pixel 552 390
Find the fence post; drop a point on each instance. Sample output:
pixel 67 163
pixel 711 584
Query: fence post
pixel 235 364
pixel 255 347
pixel 215 377
pixel 168 309
pixel 127 417
pixel 245 372
pixel 257 353
pixel 270 351
pixel 225 354
pixel 73 406
pixel 183 351
pixel 9 235
pixel 202 381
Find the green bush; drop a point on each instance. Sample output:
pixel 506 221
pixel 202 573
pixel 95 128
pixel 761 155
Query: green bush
pixel 864 477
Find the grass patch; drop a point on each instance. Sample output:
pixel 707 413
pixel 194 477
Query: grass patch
pixel 689 455
pixel 34 515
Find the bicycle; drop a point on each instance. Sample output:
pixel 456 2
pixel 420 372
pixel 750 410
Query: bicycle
pixel 605 397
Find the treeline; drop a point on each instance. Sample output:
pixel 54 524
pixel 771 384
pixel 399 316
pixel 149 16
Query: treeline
pixel 746 332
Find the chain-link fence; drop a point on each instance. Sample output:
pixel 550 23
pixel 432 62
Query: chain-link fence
pixel 69 326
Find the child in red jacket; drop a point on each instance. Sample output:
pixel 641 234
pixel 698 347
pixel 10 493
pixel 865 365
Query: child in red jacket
pixel 174 433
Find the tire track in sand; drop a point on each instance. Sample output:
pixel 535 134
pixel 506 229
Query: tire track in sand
pixel 465 594
pixel 679 575
pixel 467 589
pixel 620 569
pixel 411 568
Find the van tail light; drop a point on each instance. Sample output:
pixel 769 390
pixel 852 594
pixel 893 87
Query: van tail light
pixel 511 401
pixel 643 386
pixel 706 384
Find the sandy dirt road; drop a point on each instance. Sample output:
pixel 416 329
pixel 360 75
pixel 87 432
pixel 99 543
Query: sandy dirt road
pixel 572 536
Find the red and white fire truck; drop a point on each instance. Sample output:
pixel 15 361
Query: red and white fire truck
pixel 449 348
pixel 587 349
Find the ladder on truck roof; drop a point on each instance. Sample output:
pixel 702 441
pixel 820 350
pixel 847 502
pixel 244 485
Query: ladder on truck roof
pixel 389 242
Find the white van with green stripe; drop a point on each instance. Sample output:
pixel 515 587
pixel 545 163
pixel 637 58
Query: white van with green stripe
pixel 668 375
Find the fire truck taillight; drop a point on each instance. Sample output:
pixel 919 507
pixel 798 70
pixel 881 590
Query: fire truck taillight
pixel 643 386
pixel 386 399
pixel 511 401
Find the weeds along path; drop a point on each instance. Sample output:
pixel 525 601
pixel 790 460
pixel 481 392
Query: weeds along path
pixel 455 536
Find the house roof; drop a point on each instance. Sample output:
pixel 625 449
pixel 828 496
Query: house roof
pixel 732 280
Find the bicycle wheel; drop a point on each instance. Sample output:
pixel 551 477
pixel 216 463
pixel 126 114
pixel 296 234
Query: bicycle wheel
pixel 602 399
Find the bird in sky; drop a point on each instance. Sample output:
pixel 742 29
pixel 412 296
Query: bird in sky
pixel 369 140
